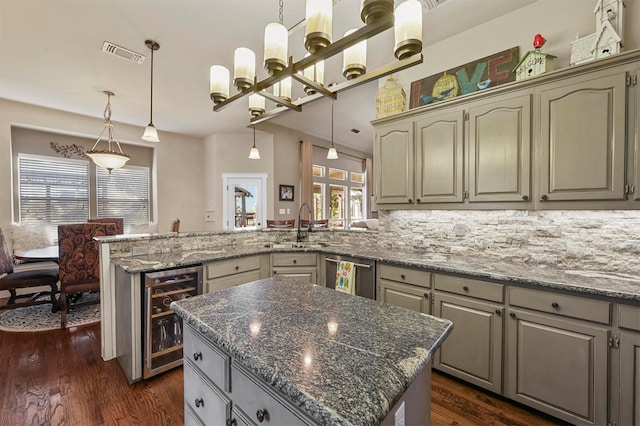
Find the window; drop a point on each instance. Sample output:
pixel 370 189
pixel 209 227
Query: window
pixel 318 171
pixel 337 206
pixel 123 193
pixel 318 201
pixel 337 174
pixel 53 190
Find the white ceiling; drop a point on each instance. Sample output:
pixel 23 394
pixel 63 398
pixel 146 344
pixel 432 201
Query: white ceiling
pixel 50 55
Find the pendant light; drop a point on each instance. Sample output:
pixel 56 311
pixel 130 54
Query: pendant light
pixel 332 154
pixel 408 29
pixel 108 159
pixel 150 133
pixel 254 154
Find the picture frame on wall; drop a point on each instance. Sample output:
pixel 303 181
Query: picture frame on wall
pixel 286 192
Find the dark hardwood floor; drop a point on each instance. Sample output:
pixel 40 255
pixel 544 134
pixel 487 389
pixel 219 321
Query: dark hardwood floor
pixel 58 378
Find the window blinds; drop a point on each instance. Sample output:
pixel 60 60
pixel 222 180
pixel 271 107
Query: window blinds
pixel 124 193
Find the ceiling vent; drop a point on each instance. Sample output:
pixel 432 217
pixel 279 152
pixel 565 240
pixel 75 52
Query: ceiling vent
pixel 432 4
pixel 121 52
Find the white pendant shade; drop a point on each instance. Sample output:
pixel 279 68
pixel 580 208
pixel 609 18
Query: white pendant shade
pixel 254 154
pixel 408 29
pixel 256 104
pixel 332 154
pixel 108 160
pixel 354 59
pixel 318 24
pixel 219 83
pixel 276 41
pixel 150 134
pixel 244 70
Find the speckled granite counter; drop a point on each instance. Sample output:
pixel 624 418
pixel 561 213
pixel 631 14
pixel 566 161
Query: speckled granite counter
pixel 352 376
pixel 598 283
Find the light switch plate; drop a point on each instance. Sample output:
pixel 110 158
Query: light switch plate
pixel 281 211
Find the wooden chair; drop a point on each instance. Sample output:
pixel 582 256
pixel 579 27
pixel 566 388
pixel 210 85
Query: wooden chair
pixel 79 262
pixel 320 223
pixel 281 224
pixel 118 221
pixel 25 279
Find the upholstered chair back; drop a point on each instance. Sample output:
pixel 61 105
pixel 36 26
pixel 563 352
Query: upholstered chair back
pixel 118 221
pixel 6 260
pixel 79 253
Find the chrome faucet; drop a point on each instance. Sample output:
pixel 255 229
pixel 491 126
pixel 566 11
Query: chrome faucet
pixel 299 236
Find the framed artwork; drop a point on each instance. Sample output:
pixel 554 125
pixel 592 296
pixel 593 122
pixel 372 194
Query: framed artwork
pixel 480 74
pixel 286 192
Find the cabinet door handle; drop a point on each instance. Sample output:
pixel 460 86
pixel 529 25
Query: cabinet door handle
pixel 545 197
pixel 465 288
pixel 237 267
pixel 402 276
pixel 512 315
pixel 410 200
pixel 232 422
pixel 525 197
pixel 295 261
pixel 426 295
pixel 555 305
pixel 199 402
pixel 261 414
pixel 498 312
pixel 418 201
pixel 197 356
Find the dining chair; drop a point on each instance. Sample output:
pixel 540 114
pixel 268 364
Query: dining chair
pixel 79 263
pixel 175 225
pixel 319 223
pixel 118 221
pixel 11 281
pixel 281 224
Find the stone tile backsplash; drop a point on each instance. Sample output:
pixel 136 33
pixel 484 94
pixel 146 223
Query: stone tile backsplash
pixel 581 239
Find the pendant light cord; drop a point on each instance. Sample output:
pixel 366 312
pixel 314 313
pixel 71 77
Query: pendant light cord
pixel 151 91
pixel 331 124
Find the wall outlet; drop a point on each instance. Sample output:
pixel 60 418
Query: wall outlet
pixel 288 211
pixel 209 217
pixel 398 416
pixel 281 211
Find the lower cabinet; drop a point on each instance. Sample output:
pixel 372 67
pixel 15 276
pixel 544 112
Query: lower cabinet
pixel 231 272
pixel 301 266
pixel 628 343
pixel 405 287
pixel 556 361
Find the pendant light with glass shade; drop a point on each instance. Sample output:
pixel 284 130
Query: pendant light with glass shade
pixel 108 159
pixel 332 154
pixel 150 133
pixel 254 154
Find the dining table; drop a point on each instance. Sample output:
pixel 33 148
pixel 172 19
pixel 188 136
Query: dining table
pixel 43 254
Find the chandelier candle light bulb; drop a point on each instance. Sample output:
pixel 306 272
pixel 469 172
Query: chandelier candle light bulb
pixel 408 29
pixel 256 104
pixel 314 73
pixel 354 59
pixel 244 70
pixel 372 10
pixel 219 83
pixel 318 23
pixel 276 43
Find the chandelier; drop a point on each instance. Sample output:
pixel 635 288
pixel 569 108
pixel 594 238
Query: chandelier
pixel 108 159
pixel 377 15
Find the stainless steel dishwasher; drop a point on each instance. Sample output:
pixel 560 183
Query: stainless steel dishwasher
pixel 365 274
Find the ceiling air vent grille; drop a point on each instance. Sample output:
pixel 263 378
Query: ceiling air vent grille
pixel 121 52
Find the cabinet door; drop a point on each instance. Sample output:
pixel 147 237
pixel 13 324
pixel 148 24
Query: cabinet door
pixel 558 366
pixel 629 379
pixel 499 150
pixel 439 158
pixel 582 138
pixel 305 274
pixel 473 350
pixel 393 163
pixel 404 295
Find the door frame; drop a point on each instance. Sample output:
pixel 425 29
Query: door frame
pixel 228 216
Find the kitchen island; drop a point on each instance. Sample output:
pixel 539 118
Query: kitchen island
pixel 281 350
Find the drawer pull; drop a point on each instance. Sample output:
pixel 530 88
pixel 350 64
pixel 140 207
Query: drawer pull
pixel 402 276
pixel 555 305
pixel 512 315
pixel 465 288
pixel 197 356
pixel 295 261
pixel 261 414
pixel 498 312
pixel 237 267
pixel 232 422
pixel 426 295
pixel 199 402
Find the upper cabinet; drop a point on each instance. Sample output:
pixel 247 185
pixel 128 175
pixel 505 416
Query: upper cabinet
pixel 569 139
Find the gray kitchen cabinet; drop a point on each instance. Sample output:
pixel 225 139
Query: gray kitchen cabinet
pixel 627 341
pixel 228 273
pixel 582 137
pixel 473 351
pixel 301 266
pixel 408 288
pixel 394 163
pixel 439 166
pixel 557 354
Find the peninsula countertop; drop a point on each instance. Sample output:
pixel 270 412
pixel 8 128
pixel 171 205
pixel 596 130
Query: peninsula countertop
pixel 339 358
pixel 625 287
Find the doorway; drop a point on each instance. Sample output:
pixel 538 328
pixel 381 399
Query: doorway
pixel 245 201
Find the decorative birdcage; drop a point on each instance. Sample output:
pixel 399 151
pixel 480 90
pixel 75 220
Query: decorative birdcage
pixel 390 99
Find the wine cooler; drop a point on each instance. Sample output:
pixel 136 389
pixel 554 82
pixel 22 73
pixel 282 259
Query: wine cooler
pixel 162 327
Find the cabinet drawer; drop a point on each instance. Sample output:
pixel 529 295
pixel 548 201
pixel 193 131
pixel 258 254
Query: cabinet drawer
pixel 232 280
pixel 294 259
pixel 468 287
pixel 405 275
pixel 629 317
pixel 252 396
pixel 232 266
pixel 561 304
pixel 208 359
pixel 204 399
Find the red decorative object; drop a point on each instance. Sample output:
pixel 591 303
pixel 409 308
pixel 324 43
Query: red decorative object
pixel 538 41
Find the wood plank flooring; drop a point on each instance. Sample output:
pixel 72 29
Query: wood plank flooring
pixel 58 378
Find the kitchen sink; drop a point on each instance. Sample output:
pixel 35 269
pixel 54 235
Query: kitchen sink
pixel 292 244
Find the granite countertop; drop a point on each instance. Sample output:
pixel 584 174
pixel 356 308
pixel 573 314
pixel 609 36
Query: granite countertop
pixel 598 283
pixel 341 359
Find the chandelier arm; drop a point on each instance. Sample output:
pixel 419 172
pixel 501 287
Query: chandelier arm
pixel 282 101
pixel 383 71
pixel 318 87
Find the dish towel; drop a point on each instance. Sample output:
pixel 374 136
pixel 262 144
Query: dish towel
pixel 346 277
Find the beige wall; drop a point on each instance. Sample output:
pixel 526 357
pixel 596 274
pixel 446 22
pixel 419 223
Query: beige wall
pixel 558 21
pixel 180 164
